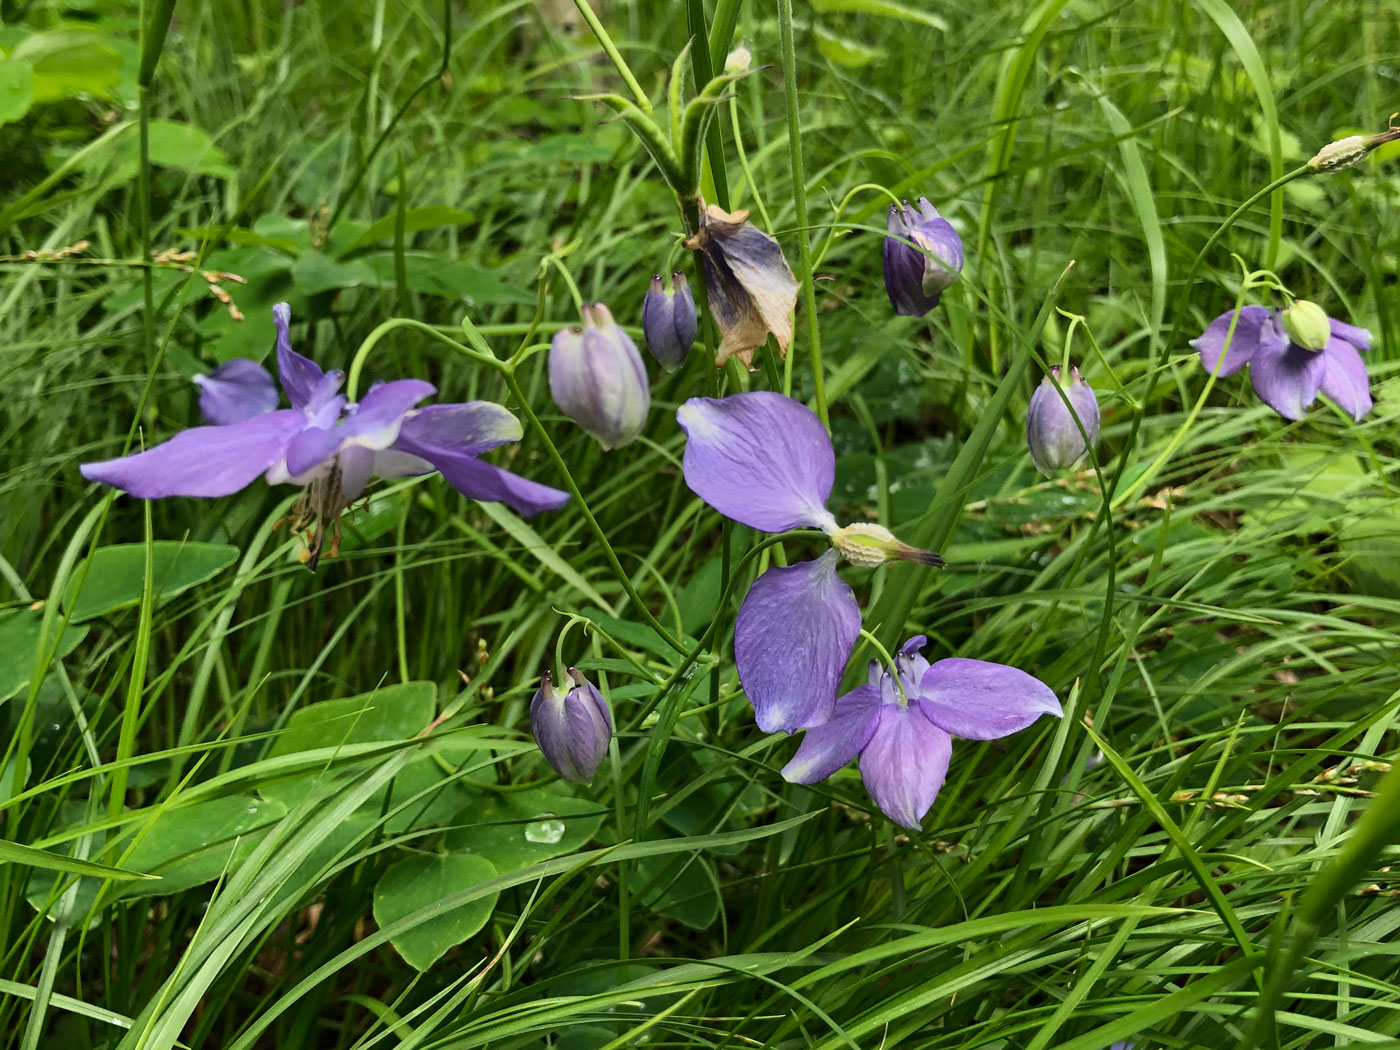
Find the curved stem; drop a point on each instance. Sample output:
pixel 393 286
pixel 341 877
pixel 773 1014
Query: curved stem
pixel 568 278
pixel 610 49
pixel 888 661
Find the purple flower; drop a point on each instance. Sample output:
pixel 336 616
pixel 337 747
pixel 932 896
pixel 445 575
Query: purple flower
pixel 905 741
pixel 328 446
pixel 597 378
pixel 669 321
pixel 572 727
pixel 766 461
pixel 1288 374
pixel 1051 432
pixel 915 279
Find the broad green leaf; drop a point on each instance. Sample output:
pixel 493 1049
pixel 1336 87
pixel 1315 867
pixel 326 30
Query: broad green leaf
pixel 881 9
pixel 415 220
pixel 431 275
pixel 19 645
pixel 681 887
pixel 417 882
pixel 194 844
pixel 28 856
pixel 68 62
pixel 515 829
pixel 316 272
pixel 116 574
pixel 16 89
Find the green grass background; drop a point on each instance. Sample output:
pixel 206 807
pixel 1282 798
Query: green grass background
pixel 1226 625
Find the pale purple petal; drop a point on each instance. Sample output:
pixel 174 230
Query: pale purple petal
pixel 477 480
pixel 299 375
pixel 202 461
pixel 760 458
pixel 1250 328
pixel 904 763
pixel 375 425
pixel 978 700
pixel 472 427
pixel 1286 377
pixel 1357 337
pixel 1344 378
pixel 792 638
pixel 237 390
pixel 356 465
pixel 829 746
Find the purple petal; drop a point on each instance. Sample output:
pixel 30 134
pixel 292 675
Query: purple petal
pixel 1357 337
pixel 375 425
pixel 942 259
pixel 202 461
pixel 792 638
pixel 829 746
pixel 477 480
pixel 978 700
pixel 1286 377
pixel 760 458
pixel 904 763
pixel 237 390
pixel 904 269
pixel 300 375
pixel 1243 344
pixel 471 427
pixel 1344 377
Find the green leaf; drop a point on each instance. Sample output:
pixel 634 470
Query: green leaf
pixel 116 574
pixel 194 844
pixel 844 51
pixel 178 145
pixel 881 9
pixel 516 829
pixel 19 645
pixel 524 534
pixel 68 62
pixel 16 89
pixel 316 272
pixel 430 275
pixel 16 853
pixel 417 882
pixel 415 220
pixel 681 887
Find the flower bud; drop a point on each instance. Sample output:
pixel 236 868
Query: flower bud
pixel 669 322
pixel 1348 151
pixel 867 544
pixel 738 60
pixel 572 727
pixel 1307 325
pixel 1054 439
pixel 916 277
pixel 597 378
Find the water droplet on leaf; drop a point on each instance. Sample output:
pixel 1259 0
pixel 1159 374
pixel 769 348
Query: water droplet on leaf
pixel 545 832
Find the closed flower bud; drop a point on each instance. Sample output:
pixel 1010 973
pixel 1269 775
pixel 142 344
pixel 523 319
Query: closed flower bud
pixel 572 727
pixel 1307 325
pixel 867 544
pixel 916 277
pixel 738 60
pixel 669 322
pixel 1348 151
pixel 1054 438
pixel 597 378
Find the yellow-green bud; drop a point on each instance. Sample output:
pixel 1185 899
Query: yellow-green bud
pixel 868 545
pixel 1307 325
pixel 738 60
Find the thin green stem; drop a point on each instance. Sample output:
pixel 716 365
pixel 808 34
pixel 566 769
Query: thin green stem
pixel 568 278
pixel 610 49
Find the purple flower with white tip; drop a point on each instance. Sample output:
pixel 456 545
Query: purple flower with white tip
pixel 903 729
pixel 573 727
pixel 669 321
pixel 1292 355
pixel 323 443
pixel 766 461
pixel 597 378
pixel 1054 438
pixel 915 279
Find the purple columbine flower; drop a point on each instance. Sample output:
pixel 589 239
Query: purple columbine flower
pixel 669 321
pixel 1292 355
pixel 766 461
pixel 323 443
pixel 915 280
pixel 572 727
pixel 1053 436
pixel 902 730
pixel 597 378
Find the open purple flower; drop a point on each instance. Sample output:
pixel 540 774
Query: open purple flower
pixel 903 730
pixel 323 443
pixel 1292 356
pixel 766 461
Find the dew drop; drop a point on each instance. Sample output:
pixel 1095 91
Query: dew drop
pixel 545 832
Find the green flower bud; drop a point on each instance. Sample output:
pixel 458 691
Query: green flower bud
pixel 1307 325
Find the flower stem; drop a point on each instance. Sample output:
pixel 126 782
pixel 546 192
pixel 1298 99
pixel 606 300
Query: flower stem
pixel 568 278
pixel 610 49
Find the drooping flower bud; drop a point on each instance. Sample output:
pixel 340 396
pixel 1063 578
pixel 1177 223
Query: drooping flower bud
pixel 915 280
pixel 572 727
pixel 867 544
pixel 1348 151
pixel 1054 439
pixel 1307 324
pixel 669 321
pixel 597 378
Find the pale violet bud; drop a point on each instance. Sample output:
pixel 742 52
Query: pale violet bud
pixel 1055 440
pixel 597 378
pixel 738 60
pixel 867 544
pixel 572 727
pixel 669 322
pixel 1307 325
